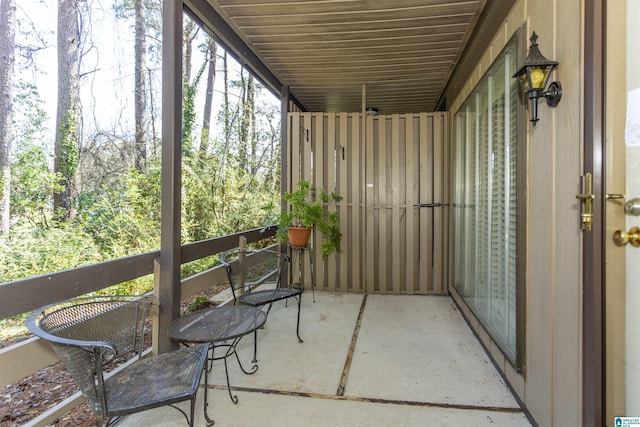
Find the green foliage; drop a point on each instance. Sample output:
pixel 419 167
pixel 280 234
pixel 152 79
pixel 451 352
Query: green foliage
pixel 189 110
pixel 199 303
pixel 138 286
pixel 199 265
pixel 118 208
pixel 124 9
pixel 199 204
pixel 27 251
pixel 29 114
pixel 32 182
pixel 31 186
pixel 69 154
pixel 124 219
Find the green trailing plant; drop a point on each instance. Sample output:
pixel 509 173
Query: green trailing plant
pixel 189 110
pixel 70 152
pixel 311 207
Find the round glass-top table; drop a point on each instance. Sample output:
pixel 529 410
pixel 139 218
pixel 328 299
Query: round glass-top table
pixel 221 327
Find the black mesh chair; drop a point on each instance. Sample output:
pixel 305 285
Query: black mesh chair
pixel 93 335
pixel 249 268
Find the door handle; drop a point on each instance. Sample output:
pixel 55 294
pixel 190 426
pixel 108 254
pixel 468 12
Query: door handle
pixel 621 237
pixel 632 207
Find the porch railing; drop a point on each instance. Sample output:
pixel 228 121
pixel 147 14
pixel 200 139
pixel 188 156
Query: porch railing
pixel 25 295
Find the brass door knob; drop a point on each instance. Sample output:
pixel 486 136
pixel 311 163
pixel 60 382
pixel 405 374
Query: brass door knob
pixel 621 237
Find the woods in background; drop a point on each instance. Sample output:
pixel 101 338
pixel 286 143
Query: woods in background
pixel 80 174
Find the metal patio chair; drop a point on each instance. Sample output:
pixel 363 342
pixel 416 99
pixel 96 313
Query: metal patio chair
pixel 249 268
pixel 91 336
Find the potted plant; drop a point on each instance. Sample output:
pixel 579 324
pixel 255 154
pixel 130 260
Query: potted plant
pixel 307 210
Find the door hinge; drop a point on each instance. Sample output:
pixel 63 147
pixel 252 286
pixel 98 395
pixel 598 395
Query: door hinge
pixel 586 214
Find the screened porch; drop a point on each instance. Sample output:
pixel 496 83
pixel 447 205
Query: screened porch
pixel 384 302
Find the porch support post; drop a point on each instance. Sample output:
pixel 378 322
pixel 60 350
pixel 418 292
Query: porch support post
pixel 167 287
pixel 284 146
pixel 285 100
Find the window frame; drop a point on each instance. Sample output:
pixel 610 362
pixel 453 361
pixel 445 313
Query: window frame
pixel 459 235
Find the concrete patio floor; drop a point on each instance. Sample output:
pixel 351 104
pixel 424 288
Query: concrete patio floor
pixel 366 361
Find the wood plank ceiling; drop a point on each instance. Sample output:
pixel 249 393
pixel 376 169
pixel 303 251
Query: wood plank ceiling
pixel 403 51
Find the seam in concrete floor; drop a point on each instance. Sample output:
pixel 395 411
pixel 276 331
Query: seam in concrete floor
pixel 504 409
pixel 339 396
pixel 352 347
pixel 500 412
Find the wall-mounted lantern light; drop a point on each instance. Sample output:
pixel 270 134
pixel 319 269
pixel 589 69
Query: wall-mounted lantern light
pixel 532 79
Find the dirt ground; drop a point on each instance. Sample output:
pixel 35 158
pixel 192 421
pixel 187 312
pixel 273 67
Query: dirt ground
pixel 24 400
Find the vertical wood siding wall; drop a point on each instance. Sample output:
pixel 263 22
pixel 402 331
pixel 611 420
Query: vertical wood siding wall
pixel 392 172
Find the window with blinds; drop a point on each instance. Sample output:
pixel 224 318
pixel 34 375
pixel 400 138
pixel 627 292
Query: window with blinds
pixel 484 201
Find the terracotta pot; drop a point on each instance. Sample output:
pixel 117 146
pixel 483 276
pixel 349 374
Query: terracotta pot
pixel 299 236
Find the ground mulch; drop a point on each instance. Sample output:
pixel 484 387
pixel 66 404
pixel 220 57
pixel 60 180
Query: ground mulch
pixel 26 399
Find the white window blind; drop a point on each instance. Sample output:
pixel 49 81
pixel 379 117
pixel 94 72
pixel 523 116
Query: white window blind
pixel 485 192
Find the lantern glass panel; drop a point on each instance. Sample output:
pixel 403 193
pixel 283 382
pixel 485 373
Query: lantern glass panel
pixel 539 77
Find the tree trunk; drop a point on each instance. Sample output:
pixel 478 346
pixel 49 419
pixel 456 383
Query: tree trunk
pixel 243 130
pixel 7 59
pixel 140 88
pixel 248 138
pixel 189 34
pixel 227 124
pixel 206 116
pixel 188 87
pixel 221 173
pixel 253 135
pixel 154 134
pixel 68 113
